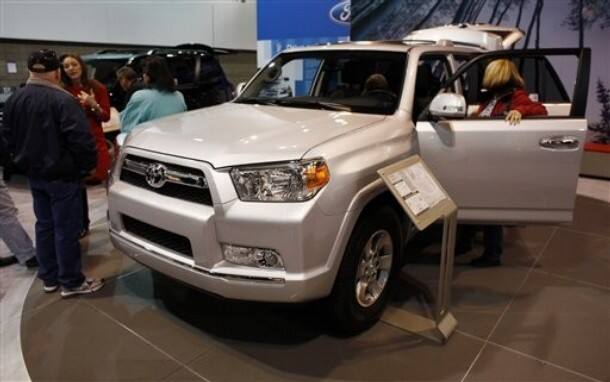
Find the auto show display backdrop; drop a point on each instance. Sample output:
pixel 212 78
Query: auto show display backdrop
pixel 548 24
pixel 289 23
pixel 219 23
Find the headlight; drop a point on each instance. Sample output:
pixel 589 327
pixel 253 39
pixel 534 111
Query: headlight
pixel 282 182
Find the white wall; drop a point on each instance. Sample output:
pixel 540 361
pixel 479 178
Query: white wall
pixel 220 23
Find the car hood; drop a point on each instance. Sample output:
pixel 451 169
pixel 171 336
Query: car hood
pixel 233 134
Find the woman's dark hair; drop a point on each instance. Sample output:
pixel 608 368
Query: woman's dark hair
pixel 159 76
pixel 84 76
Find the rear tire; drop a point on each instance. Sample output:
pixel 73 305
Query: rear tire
pixel 367 271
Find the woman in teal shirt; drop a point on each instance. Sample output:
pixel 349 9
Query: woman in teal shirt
pixel 160 99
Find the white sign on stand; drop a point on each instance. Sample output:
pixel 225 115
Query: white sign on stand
pixel 425 201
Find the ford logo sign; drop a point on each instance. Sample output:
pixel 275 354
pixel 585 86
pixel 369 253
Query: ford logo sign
pixel 341 13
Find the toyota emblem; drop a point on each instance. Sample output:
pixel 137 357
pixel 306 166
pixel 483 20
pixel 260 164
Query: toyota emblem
pixel 155 175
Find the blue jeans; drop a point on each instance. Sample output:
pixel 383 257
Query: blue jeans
pixel 11 231
pixel 59 219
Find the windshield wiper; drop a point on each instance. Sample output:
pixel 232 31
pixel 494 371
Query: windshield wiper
pixel 312 103
pixel 257 100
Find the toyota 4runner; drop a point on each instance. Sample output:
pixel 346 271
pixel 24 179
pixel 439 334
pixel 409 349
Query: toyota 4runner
pixel 275 196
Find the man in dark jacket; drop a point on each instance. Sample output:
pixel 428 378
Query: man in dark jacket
pixel 47 137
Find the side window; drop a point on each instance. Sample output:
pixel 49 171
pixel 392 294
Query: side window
pixel 183 69
pixel 210 71
pixel 471 79
pixel 104 70
pixel 293 79
pixel 432 71
pixel 541 81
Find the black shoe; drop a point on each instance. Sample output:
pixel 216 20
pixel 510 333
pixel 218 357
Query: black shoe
pixel 6 261
pixel 31 263
pixel 485 262
pixel 50 287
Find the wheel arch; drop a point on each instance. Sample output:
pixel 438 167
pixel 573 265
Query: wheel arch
pixel 368 199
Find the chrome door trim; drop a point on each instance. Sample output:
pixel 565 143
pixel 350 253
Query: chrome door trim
pixel 559 142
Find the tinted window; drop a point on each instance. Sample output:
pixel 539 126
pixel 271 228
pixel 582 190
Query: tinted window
pixel 541 80
pixel 211 72
pixel 105 70
pixel 182 68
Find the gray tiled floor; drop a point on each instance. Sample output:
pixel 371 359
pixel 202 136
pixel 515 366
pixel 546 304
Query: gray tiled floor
pixel 543 316
pixel 500 364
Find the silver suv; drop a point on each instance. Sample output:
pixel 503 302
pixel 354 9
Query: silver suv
pixel 275 196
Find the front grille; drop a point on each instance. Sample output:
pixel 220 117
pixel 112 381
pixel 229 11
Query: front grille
pixel 166 239
pixel 192 187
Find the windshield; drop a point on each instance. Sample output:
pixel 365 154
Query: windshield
pixel 347 80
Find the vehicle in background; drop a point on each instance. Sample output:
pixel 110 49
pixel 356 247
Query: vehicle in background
pixel 195 67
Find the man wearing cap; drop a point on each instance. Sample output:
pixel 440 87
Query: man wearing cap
pixel 47 137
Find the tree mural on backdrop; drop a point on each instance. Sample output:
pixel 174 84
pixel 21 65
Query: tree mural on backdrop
pixel 427 13
pixel 602 128
pixel 584 14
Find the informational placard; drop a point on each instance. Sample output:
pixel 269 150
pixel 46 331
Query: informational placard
pixel 418 191
pixel 425 201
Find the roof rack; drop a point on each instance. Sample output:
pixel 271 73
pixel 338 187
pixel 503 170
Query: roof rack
pixel 484 36
pixel 196 46
pixel 119 51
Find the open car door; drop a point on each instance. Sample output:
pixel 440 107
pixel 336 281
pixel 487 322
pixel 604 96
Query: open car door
pixel 500 173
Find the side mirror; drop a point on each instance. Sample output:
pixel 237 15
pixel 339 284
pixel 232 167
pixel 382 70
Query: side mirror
pixel 448 105
pixel 240 87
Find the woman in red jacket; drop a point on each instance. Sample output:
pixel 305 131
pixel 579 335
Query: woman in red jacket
pixel 506 97
pixel 94 99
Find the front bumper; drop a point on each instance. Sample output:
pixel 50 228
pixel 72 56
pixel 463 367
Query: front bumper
pixel 225 285
pixel 306 239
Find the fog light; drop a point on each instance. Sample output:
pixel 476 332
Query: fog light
pixel 252 257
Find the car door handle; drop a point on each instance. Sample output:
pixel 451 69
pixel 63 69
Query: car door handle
pixel 561 142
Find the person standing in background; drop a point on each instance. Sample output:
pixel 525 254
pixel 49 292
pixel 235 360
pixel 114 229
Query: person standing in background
pixel 129 82
pixel 47 136
pixel 160 99
pixel 11 230
pixel 93 98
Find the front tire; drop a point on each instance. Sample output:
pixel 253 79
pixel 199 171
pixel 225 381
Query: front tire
pixel 367 272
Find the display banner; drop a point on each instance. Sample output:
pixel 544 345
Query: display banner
pixel 283 24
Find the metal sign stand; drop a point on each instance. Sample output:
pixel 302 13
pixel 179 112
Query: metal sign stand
pixel 420 183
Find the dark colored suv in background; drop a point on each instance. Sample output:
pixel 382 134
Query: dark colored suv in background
pixel 194 66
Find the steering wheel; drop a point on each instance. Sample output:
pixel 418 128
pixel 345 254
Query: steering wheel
pixel 381 93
